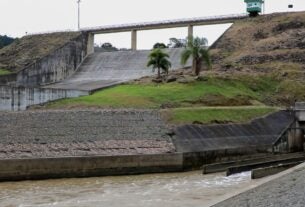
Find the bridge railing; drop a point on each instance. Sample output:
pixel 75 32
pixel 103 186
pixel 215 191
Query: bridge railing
pixel 167 22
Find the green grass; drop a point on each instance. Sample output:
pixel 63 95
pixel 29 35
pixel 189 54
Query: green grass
pixel 207 115
pixel 4 72
pixel 178 95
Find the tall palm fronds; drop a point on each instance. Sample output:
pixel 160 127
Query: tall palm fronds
pixel 159 60
pixel 198 50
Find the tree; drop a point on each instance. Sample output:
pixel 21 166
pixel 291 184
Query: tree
pixel 198 50
pixel 5 40
pixel 107 45
pixel 159 60
pixel 159 45
pixel 176 43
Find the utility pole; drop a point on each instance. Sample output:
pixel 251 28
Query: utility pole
pixel 78 14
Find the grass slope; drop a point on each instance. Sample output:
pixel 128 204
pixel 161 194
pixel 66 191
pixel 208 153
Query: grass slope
pixel 208 115
pixel 4 72
pixel 213 91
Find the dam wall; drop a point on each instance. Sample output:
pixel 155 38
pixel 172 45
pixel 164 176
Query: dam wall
pixel 56 66
pixel 19 98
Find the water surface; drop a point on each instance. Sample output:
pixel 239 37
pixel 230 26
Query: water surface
pixel 171 190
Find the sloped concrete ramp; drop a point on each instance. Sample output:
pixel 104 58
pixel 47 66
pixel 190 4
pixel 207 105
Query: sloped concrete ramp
pixel 260 134
pixel 100 70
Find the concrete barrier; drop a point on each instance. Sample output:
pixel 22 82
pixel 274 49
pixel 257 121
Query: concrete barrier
pixel 267 171
pixel 24 169
pixel 74 167
pixel 243 168
pixel 195 160
pixel 19 98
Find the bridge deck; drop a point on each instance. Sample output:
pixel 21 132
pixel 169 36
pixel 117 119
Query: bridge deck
pixel 166 24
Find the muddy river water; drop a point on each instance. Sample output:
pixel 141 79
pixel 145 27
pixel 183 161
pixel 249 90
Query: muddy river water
pixel 174 189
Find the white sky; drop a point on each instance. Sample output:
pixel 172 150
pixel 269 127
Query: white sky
pixel 33 16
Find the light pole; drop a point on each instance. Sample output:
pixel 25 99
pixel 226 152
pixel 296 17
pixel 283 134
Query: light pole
pixel 78 14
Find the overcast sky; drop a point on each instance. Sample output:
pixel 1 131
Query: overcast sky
pixel 20 16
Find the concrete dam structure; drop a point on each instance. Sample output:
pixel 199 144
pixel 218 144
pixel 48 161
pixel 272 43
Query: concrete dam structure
pixel 111 142
pixel 100 70
pixel 74 66
pixel 97 71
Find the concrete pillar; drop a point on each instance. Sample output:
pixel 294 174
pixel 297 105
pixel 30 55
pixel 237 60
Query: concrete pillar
pixel 90 44
pixel 296 139
pixel 134 40
pixel 190 31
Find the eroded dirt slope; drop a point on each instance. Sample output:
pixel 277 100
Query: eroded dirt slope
pixel 270 46
pixel 28 49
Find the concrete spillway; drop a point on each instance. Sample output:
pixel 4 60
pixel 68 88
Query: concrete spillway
pixel 101 70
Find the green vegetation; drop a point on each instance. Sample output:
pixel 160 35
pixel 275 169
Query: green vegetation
pixel 207 115
pixel 5 40
pixel 159 60
pixel 174 94
pixel 4 72
pixel 198 50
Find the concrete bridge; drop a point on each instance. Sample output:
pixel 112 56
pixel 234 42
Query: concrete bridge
pixel 134 27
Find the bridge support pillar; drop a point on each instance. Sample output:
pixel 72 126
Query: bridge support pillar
pixel 296 138
pixel 90 44
pixel 134 40
pixel 190 31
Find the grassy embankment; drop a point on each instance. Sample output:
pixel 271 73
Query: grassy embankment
pixel 4 72
pixel 207 115
pixel 186 103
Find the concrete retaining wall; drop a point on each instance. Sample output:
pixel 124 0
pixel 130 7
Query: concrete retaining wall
pixel 68 167
pixel 56 66
pixel 264 172
pixel 7 79
pixel 23 169
pixel 19 98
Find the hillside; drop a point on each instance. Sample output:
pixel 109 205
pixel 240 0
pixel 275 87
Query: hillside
pixel 270 46
pixel 28 49
pixel 5 40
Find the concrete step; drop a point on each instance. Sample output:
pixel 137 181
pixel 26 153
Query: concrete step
pixel 255 165
pixel 258 158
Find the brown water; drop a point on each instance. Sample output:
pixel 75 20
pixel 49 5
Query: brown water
pixel 175 189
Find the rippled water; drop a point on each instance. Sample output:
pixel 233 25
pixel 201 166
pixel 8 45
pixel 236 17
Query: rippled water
pixel 174 189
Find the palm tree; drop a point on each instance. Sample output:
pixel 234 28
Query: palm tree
pixel 159 60
pixel 197 48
